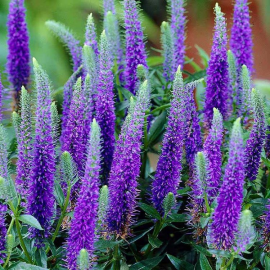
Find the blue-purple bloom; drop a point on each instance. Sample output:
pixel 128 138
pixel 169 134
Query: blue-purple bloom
pixel 178 24
pixel 3 231
pixel 229 202
pixel 217 89
pixel 82 229
pixel 24 139
pixel 256 139
pixel 18 64
pixel 241 36
pixel 168 173
pixel 212 150
pixel 105 114
pixel 67 38
pixel 135 49
pixel 126 167
pixel 1 99
pixel 40 202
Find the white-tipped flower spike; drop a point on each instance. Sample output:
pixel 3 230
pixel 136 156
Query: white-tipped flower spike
pixel 234 94
pixel 68 168
pixel 167 46
pixel 245 98
pixel 246 232
pixel 10 243
pixel 16 120
pixel 55 122
pixel 103 204
pixel 83 260
pixel 168 203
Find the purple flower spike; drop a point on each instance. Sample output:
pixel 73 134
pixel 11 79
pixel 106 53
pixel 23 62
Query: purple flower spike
pixel 67 97
pixel 193 137
pixel 241 36
pixel 266 225
pixel 256 139
pixel 212 150
pixel 40 202
pixel 24 163
pixel 135 49
pixel 218 72
pixel 229 202
pixel 67 38
pixel 1 99
pixel 178 24
pixel 74 140
pixel 126 167
pixel 108 5
pixel 168 173
pixel 3 232
pixel 82 229
pixel 18 64
pixel 105 107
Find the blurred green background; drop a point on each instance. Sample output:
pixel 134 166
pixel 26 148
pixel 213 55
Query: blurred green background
pixel 53 57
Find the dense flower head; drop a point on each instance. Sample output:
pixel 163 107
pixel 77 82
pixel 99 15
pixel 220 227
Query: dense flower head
pixel 3 153
pixel 178 24
pixel 266 225
pixel 67 97
pixel 246 232
pixel 193 137
pixel 245 95
pixel 108 5
pixel 55 122
pixel 167 46
pixel 3 231
pixel 241 36
pixel 82 229
pixel 135 49
pixel 212 150
pixel 114 39
pixel 91 36
pixel 18 65
pixel 1 99
pixel 41 199
pixel 217 89
pixel 126 167
pixel 168 173
pixel 74 140
pixel 105 114
pixel 229 202
pixel 256 139
pixel 67 38
pixel 24 139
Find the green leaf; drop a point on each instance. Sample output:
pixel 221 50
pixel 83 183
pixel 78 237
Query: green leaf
pixel 177 218
pixel 205 265
pixel 147 264
pixel 134 239
pixel 122 105
pixel 204 221
pixel 154 242
pixel 59 194
pixel 195 76
pixel 155 60
pixel 179 264
pixel 204 56
pixel 151 211
pixel 30 220
pixel 104 244
pixel 267 262
pixel 25 266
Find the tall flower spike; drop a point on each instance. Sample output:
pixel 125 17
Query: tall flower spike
pixel 1 99
pixel 67 38
pixel 212 150
pixel 82 229
pixel 103 205
pixel 67 97
pixel 229 201
pixel 24 163
pixel 168 173
pixel 55 122
pixel 246 234
pixel 266 225
pixel 114 39
pixel 75 141
pixel 18 64
pixel 178 24
pixel 245 87
pixel 167 46
pixel 90 35
pixel 108 5
pixel 16 121
pixel 135 49
pixel 256 139
pixel 105 106
pixel 193 137
pixel 241 36
pixel 217 72
pixel 234 93
pixel 3 232
pixel 41 199
pixel 126 167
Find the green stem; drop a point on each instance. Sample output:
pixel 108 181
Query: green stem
pixel 207 203
pixel 7 260
pixel 268 179
pixel 21 240
pixel 63 214
pixel 10 225
pixel 228 264
pixel 116 262
pixel 161 108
